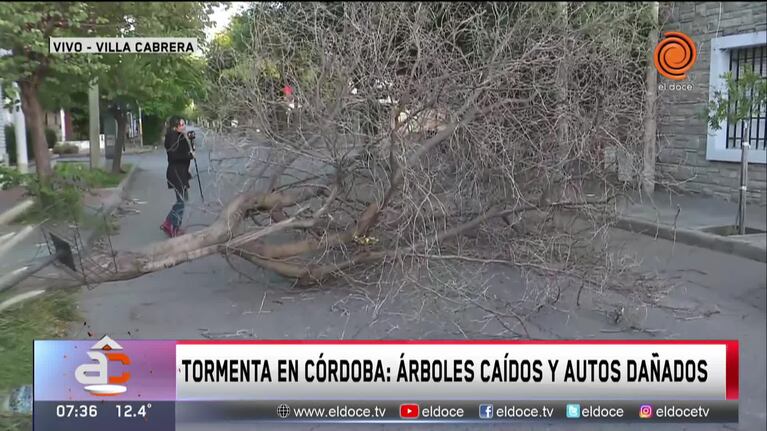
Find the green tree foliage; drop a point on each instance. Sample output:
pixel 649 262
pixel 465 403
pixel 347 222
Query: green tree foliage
pixel 161 84
pixel 153 127
pixel 232 62
pixel 25 30
pixel 741 98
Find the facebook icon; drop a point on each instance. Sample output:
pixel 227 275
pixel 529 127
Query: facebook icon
pixel 485 411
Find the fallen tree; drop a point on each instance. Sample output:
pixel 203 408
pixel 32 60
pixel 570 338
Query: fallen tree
pixel 420 131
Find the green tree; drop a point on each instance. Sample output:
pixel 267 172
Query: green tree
pixel 160 83
pixel 55 80
pixel 134 79
pixel 231 61
pixel 735 105
pixel 25 30
pixel 743 96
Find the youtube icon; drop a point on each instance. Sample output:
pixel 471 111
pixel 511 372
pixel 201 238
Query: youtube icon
pixel 409 411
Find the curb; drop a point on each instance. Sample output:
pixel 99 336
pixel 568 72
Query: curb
pixel 8 215
pixel 694 238
pixel 120 189
pixel 116 198
pixel 145 149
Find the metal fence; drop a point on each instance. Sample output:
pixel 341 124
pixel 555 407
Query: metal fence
pixel 740 59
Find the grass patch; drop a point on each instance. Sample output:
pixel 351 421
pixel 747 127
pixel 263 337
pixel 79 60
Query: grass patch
pixel 63 203
pixel 82 175
pixel 15 423
pixel 61 198
pixel 45 317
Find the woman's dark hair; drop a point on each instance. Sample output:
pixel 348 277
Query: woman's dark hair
pixel 173 122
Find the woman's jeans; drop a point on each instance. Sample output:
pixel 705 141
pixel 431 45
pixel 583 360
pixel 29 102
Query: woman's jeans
pixel 176 214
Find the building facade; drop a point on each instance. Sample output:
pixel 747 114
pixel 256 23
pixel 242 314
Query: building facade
pixel 729 36
pixel 60 122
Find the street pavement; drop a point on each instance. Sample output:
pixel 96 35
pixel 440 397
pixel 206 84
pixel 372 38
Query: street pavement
pixel 207 298
pixel 11 197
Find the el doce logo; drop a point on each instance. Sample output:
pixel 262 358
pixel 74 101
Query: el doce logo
pixel 675 55
pixel 95 376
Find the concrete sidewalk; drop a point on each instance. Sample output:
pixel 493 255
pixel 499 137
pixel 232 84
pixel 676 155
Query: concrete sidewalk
pixel 698 221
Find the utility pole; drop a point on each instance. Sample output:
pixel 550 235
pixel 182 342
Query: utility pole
pixel 650 125
pixel 140 129
pixel 95 129
pixel 20 127
pixel 3 149
pixel 62 116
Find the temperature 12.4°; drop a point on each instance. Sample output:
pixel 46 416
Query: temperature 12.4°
pixel 132 411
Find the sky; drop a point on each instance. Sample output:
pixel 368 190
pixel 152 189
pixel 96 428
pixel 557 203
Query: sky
pixel 221 17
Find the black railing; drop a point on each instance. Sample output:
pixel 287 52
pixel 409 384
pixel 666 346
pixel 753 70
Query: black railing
pixel 740 59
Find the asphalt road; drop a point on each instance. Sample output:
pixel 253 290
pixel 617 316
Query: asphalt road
pixel 207 298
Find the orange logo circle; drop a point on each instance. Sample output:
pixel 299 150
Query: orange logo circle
pixel 675 55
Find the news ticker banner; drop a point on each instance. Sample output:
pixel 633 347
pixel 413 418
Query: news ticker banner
pixel 140 384
pixel 123 45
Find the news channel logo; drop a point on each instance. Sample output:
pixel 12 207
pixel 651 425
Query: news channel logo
pixel 675 55
pixel 573 411
pixel 485 411
pixel 645 411
pixel 95 376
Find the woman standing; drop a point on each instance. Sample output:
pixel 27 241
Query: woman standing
pixel 180 152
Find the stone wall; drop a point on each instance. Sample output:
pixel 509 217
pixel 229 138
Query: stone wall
pixel 682 136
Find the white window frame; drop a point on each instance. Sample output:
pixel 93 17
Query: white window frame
pixel 716 144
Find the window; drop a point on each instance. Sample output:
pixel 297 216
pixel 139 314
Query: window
pixel 740 60
pixel 735 53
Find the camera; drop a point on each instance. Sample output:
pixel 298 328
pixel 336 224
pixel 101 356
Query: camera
pixel 191 134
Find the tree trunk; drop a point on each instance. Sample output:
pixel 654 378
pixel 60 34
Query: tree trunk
pixel 745 145
pixel 122 123
pixel 94 127
pixel 33 112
